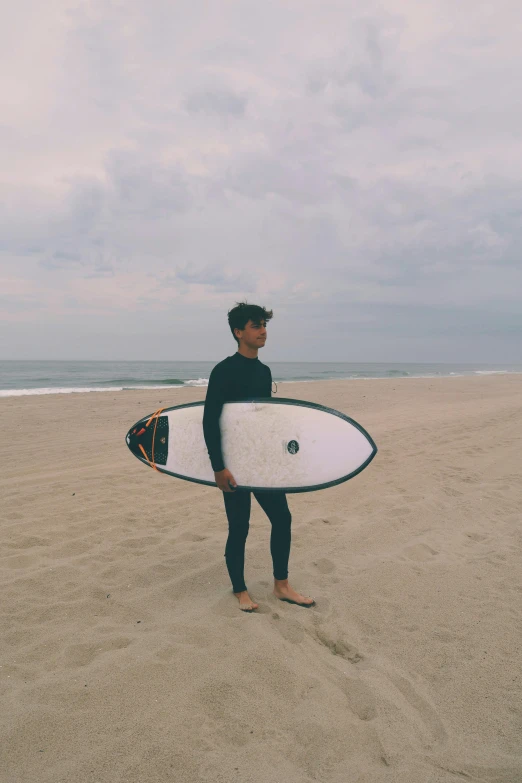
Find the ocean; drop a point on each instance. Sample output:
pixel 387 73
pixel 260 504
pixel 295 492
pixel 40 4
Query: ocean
pixel 65 377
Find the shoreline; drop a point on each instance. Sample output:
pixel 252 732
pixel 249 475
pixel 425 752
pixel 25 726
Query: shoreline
pixel 43 392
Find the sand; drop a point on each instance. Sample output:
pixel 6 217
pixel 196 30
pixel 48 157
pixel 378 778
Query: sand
pixel 124 656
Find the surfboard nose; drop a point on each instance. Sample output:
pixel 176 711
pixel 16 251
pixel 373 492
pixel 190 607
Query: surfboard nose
pixel 150 443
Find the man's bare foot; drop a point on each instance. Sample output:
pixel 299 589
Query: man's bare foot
pixel 245 602
pixel 284 592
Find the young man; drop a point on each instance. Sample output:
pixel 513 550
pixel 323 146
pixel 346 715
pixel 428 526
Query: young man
pixel 237 377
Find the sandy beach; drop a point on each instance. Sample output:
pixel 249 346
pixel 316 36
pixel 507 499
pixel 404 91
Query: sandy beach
pixel 124 656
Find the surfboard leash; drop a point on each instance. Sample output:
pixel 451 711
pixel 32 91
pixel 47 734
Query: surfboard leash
pixel 156 416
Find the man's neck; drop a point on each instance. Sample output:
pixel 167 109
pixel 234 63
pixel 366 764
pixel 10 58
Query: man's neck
pixel 248 353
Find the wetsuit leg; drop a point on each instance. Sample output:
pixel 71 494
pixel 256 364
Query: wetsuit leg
pixel 275 506
pixel 237 507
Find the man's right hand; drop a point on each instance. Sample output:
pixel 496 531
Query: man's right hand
pixel 222 478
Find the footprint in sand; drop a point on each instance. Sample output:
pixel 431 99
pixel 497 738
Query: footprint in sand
pixel 21 561
pixel 359 697
pixel 420 552
pixel 291 630
pixel 452 493
pixel 426 712
pixel 415 716
pixel 411 720
pixel 476 537
pixel 338 647
pixel 27 542
pixel 84 654
pixel 191 537
pixel 166 653
pixel 139 543
pixel 445 635
pixel 324 566
pixel 332 520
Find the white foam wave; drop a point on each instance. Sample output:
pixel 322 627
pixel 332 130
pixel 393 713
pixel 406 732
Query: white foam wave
pixel 78 390
pixel 198 382
pixel 201 382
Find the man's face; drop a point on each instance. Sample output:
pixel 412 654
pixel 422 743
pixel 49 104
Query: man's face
pixel 254 334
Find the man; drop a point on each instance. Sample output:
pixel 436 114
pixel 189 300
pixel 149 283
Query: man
pixel 237 377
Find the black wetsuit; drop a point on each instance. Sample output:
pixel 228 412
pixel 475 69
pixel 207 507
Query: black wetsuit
pixel 235 378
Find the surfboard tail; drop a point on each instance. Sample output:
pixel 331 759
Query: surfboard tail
pixel 150 444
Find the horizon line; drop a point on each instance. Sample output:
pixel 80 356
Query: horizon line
pixel 274 361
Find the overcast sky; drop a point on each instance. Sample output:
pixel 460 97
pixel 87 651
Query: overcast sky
pixel 356 167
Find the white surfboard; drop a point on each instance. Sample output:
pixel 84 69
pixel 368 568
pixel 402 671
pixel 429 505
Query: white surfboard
pixel 268 444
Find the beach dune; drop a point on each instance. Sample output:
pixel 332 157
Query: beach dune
pixel 124 657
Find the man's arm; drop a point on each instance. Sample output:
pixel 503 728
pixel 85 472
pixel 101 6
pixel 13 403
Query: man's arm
pixel 214 401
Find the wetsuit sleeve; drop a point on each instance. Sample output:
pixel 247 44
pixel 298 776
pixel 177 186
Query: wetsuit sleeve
pixel 270 375
pixel 214 401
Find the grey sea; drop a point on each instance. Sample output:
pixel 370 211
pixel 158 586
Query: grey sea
pixel 52 377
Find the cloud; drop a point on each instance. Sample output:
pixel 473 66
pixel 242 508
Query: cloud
pixel 347 164
pixel 216 102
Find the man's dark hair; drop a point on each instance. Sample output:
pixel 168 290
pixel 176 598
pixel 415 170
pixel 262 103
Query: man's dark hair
pixel 240 315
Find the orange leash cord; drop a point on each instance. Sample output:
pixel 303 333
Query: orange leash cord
pixel 154 416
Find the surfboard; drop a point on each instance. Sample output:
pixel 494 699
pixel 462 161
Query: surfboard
pixel 268 444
